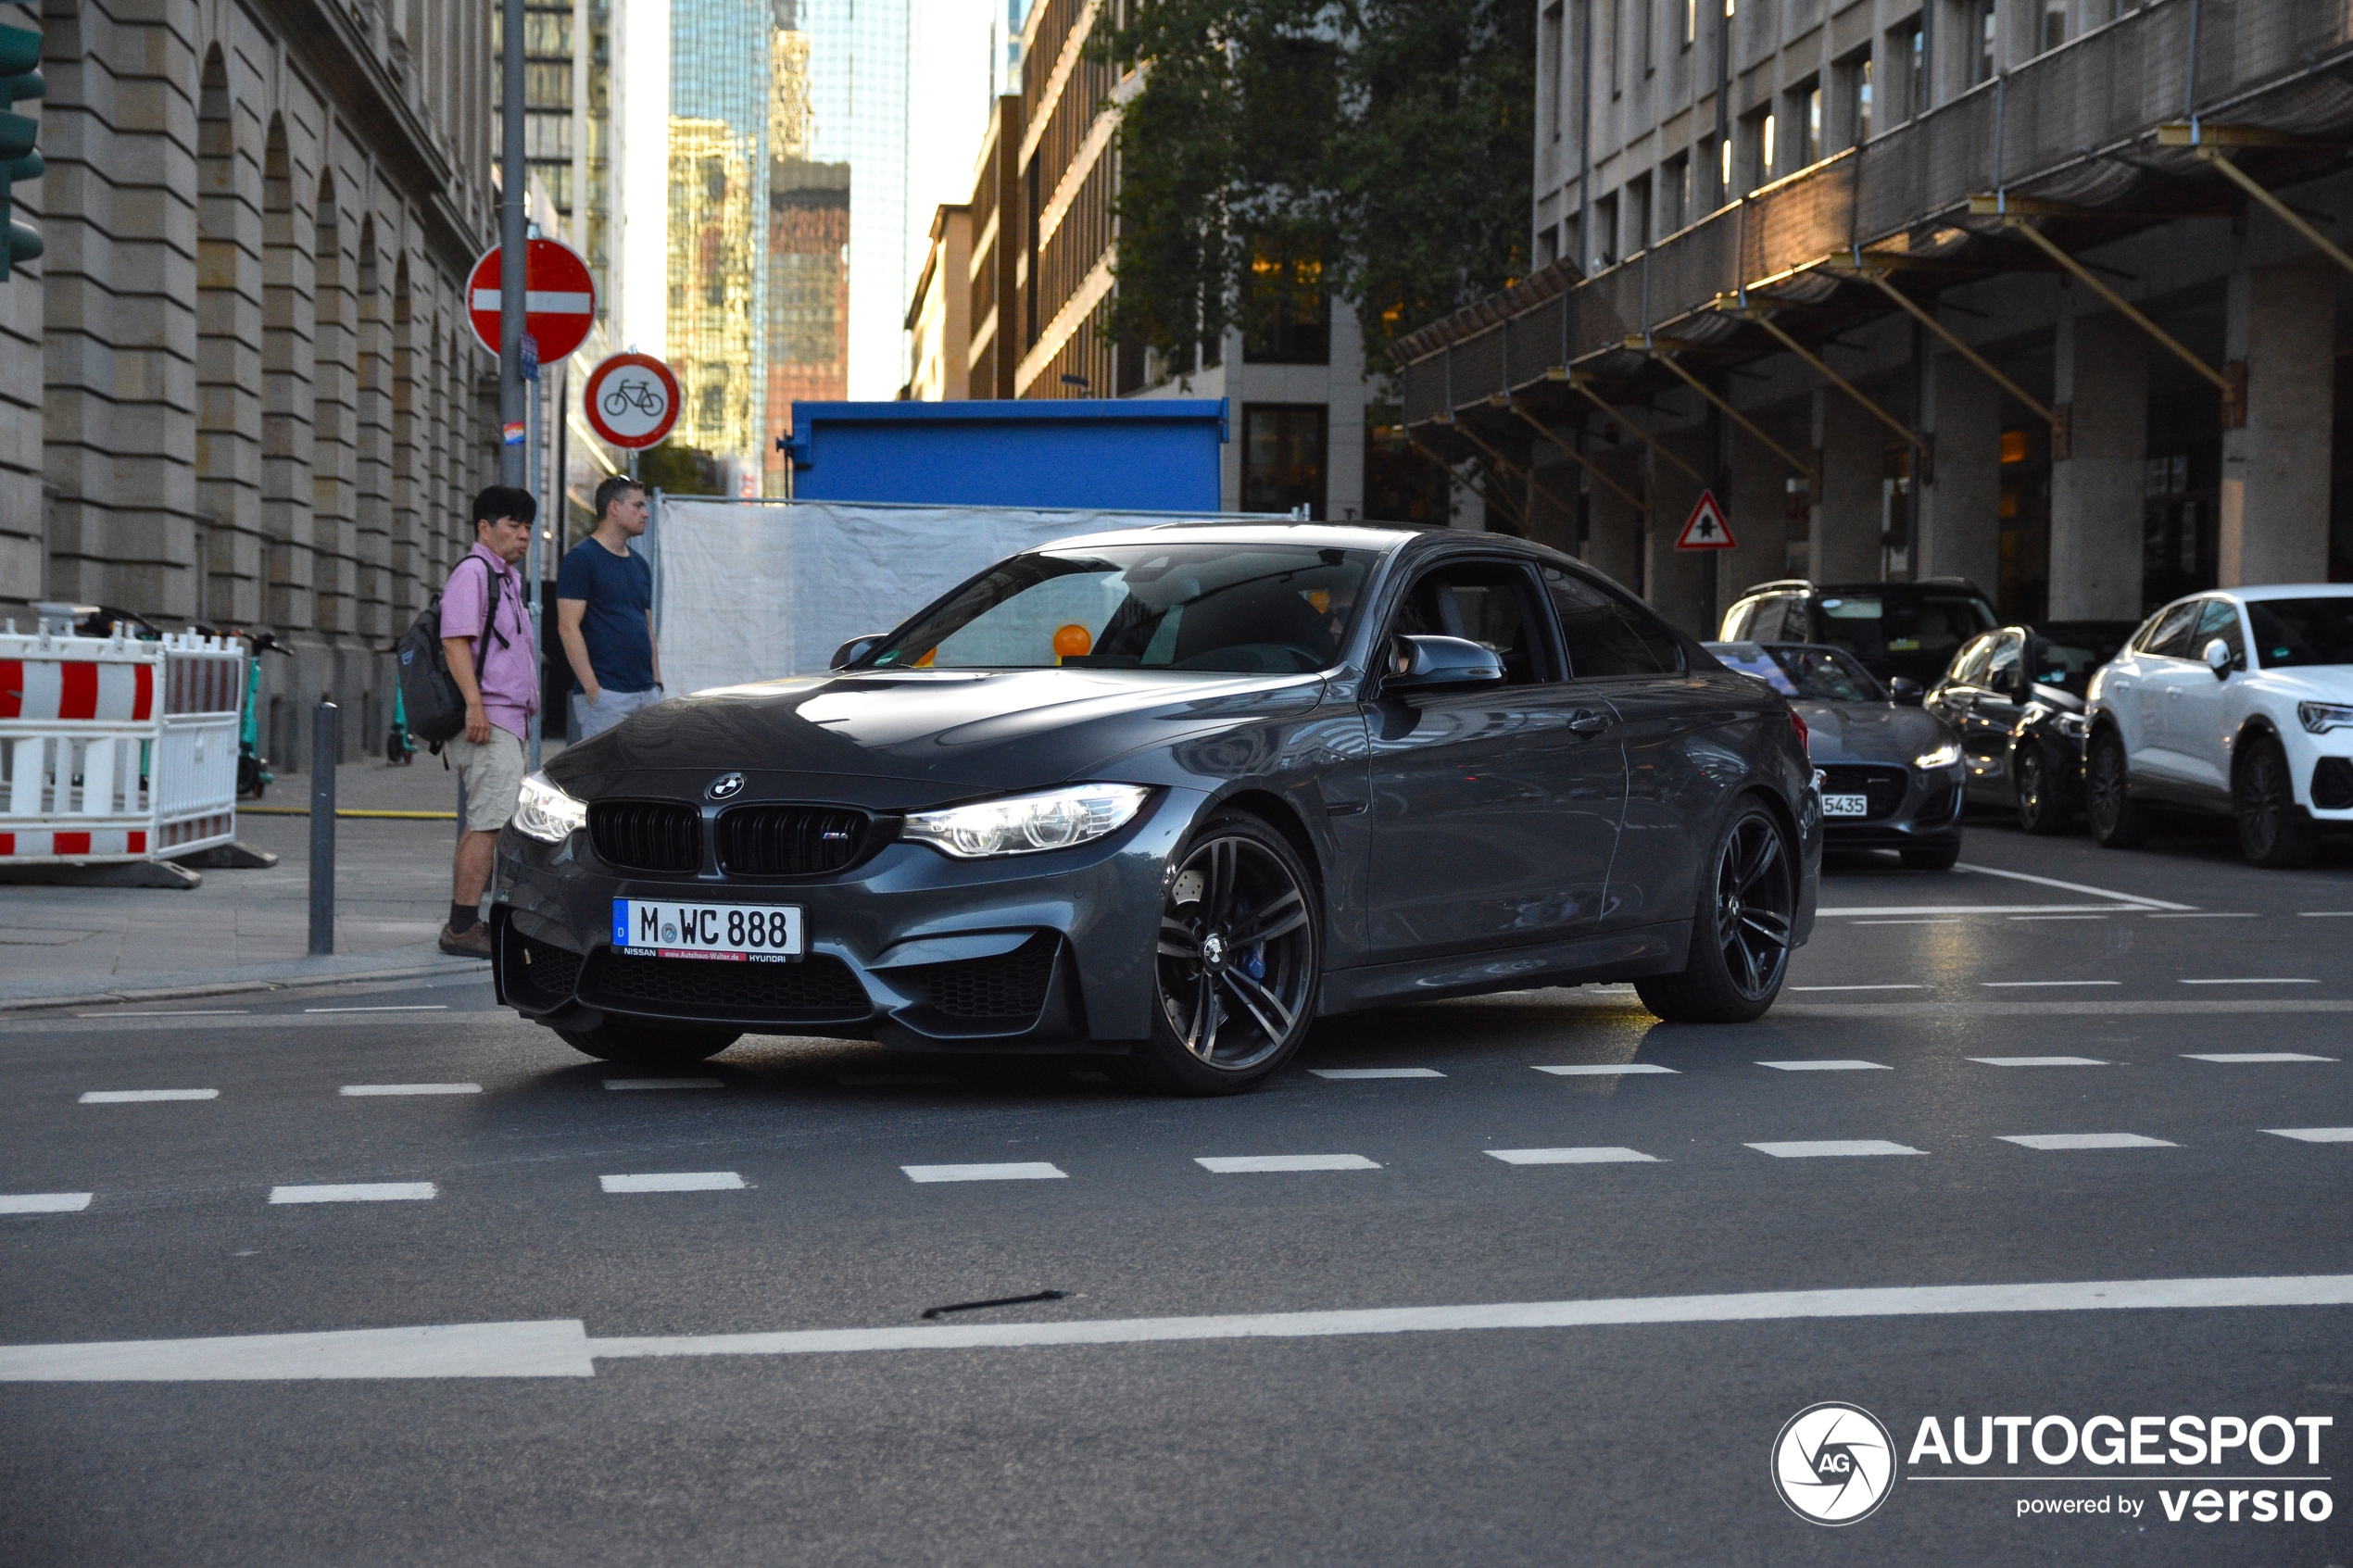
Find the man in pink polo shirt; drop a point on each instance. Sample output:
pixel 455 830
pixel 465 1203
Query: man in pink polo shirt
pixel 481 607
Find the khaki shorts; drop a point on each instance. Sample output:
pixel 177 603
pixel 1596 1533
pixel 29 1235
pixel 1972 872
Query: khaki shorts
pixel 493 773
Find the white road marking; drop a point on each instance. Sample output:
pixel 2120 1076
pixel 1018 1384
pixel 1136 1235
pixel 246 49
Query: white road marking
pixel 44 1202
pixel 1355 1072
pixel 1603 1069
pixel 2251 982
pixel 2039 1061
pixel 2326 914
pixel 1907 923
pixel 562 1349
pixel 2057 916
pixel 359 1091
pixel 1866 910
pixel 1828 1066
pixel 891 1080
pixel 1242 1165
pixel 1858 987
pixel 1831 1148
pixel 356 1192
pixel 2084 1140
pixel 143 1096
pixel 2313 1135
pixel 177 1012
pixel 2253 1056
pixel 1570 1156
pixel 412 1007
pixel 2205 914
pixel 2037 985
pixel 675 1181
pixel 2075 887
pixel 664 1084
pixel 1018 1170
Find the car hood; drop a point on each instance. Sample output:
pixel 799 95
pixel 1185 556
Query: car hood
pixel 2310 683
pixel 1869 732
pixel 904 739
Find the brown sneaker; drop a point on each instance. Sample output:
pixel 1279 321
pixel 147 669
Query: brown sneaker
pixel 474 944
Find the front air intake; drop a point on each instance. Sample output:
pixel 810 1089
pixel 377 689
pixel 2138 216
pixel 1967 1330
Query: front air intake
pixel 647 836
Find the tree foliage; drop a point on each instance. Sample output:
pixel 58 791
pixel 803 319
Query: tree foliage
pixel 1378 150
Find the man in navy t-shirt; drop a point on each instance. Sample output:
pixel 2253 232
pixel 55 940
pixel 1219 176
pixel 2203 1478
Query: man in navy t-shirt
pixel 604 615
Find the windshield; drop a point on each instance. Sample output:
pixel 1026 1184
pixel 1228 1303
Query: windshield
pixel 2291 632
pixel 1799 669
pixel 1922 622
pixel 2067 659
pixel 1242 609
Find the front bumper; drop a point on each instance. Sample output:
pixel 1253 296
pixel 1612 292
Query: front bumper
pixel 1908 807
pixel 912 948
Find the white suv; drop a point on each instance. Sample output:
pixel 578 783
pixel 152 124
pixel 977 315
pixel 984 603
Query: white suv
pixel 2237 700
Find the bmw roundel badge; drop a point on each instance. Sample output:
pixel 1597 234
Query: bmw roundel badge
pixel 727 786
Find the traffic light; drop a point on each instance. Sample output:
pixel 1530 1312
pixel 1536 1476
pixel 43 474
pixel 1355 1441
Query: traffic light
pixel 19 78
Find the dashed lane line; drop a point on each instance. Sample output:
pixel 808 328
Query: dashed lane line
pixel 2258 981
pixel 1604 1070
pixel 1015 1171
pixel 1351 1073
pixel 356 1192
pixel 2208 914
pixel 2059 1141
pixel 2057 917
pixel 2326 914
pixel 675 1181
pixel 144 1096
pixel 2041 1061
pixel 1606 1156
pixel 2042 985
pixel 2252 1056
pixel 1907 923
pixel 1866 911
pixel 1248 1164
pixel 664 1084
pixel 1832 1149
pixel 176 1012
pixel 2313 1135
pixel 361 1091
pixel 407 1006
pixel 44 1202
pixel 2073 887
pixel 1858 987
pixel 1829 1066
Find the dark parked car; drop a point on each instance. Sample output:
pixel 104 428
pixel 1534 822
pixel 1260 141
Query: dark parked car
pixel 2016 694
pixel 1169 794
pixel 1904 634
pixel 1891 773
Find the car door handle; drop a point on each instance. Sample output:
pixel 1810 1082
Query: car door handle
pixel 1585 721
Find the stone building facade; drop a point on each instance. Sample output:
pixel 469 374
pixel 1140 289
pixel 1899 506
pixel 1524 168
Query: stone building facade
pixel 239 386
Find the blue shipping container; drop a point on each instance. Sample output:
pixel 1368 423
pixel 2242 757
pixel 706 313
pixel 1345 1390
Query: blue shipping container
pixel 1124 454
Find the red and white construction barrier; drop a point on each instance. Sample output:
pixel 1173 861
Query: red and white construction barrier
pixel 116 749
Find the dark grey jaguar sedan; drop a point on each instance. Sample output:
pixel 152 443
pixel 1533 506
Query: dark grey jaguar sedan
pixel 1168 796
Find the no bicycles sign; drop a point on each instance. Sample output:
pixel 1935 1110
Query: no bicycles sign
pixel 632 400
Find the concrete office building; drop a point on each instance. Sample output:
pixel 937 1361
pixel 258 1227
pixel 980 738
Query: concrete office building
pixel 239 386
pixel 2029 294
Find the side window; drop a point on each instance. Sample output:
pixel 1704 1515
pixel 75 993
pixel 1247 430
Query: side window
pixel 2170 635
pixel 1489 603
pixel 1770 614
pixel 2001 669
pixel 2220 619
pixel 1604 637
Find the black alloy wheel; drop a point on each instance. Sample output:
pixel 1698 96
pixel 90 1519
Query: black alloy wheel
pixel 2272 832
pixel 2119 821
pixel 649 1045
pixel 1239 954
pixel 1740 930
pixel 2040 809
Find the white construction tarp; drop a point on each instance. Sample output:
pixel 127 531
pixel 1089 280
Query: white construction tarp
pixel 751 590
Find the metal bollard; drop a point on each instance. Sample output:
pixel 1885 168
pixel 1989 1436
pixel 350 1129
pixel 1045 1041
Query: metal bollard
pixel 326 745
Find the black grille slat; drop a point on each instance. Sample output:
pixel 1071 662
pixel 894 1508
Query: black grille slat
pixel 647 836
pixel 1010 986
pixel 820 987
pixel 790 840
pixel 1881 788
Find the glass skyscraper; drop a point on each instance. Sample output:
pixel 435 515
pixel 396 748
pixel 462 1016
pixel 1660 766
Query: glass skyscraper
pixel 858 67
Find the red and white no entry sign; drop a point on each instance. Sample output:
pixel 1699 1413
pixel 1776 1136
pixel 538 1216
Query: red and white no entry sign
pixel 632 400
pixel 559 298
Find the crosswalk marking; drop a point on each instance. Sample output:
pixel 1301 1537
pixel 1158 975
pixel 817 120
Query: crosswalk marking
pixel 144 1096
pixel 664 1084
pixel 2252 1056
pixel 1244 1165
pixel 1597 1070
pixel 1825 1149
pixel 2084 1140
pixel 675 1181
pixel 1016 1171
pixel 362 1090
pixel 1829 1066
pixel 2040 1061
pixel 1570 1156
pixel 355 1192
pixel 1353 1072
pixel 2313 1135
pixel 44 1202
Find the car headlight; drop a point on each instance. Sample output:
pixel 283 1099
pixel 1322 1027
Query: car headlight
pixel 2072 724
pixel 545 812
pixel 1024 824
pixel 2320 718
pixel 1942 757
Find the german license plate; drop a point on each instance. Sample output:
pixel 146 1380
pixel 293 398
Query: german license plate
pixel 740 933
pixel 1847 805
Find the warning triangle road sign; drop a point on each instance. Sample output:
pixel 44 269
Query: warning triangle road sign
pixel 1706 528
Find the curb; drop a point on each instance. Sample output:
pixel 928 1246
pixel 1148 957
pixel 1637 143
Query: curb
pixel 291 976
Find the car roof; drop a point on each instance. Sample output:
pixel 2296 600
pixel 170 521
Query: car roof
pixel 1274 531
pixel 2274 590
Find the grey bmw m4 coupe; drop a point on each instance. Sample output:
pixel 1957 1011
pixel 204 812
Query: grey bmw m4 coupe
pixel 1168 796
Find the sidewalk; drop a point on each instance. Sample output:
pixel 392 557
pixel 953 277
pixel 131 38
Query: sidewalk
pixel 247 929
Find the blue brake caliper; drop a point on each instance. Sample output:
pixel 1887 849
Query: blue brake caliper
pixel 1254 964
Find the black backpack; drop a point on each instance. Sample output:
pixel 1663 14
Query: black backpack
pixel 436 708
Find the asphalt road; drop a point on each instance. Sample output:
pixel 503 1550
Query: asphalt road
pixel 1611 1334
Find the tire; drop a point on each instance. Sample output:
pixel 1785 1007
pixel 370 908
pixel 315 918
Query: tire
pixel 647 1045
pixel 1931 857
pixel 2272 832
pixel 1238 963
pixel 2117 821
pixel 2041 811
pixel 1740 928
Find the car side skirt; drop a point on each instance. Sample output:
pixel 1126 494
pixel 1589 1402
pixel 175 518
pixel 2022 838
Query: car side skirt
pixel 1613 955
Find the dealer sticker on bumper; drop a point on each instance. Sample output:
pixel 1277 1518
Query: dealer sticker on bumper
pixel 743 933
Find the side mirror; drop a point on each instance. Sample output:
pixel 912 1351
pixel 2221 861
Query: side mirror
pixel 2217 655
pixel 1419 663
pixel 855 648
pixel 1905 690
